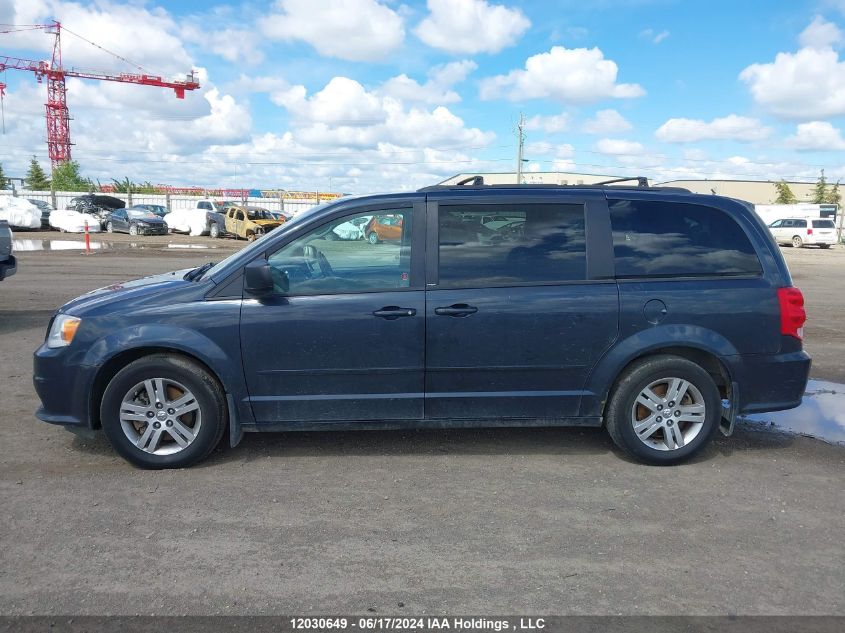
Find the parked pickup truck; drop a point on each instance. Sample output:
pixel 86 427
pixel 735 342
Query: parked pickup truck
pixel 8 265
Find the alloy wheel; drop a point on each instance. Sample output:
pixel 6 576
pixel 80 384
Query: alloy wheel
pixel 668 414
pixel 160 416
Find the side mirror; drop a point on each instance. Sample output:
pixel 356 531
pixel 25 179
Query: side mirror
pixel 258 279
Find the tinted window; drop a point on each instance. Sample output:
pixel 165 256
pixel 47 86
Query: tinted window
pixel 777 224
pixel 335 258
pixel 506 244
pixel 663 239
pixel 800 223
pixel 204 205
pixel 823 224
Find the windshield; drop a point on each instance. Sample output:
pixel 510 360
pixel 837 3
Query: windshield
pixel 141 214
pixel 258 245
pixel 259 214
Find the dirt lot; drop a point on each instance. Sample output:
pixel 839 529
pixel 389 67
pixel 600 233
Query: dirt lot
pixel 501 521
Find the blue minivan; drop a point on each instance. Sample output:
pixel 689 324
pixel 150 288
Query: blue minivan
pixel 657 313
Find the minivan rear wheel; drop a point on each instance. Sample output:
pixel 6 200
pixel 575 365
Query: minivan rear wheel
pixel 163 411
pixel 663 410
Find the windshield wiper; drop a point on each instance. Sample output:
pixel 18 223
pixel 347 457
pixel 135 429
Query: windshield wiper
pixel 197 273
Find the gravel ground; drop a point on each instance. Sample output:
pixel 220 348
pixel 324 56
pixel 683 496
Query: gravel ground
pixel 481 521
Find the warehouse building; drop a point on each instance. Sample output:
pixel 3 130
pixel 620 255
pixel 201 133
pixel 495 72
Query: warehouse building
pixel 754 191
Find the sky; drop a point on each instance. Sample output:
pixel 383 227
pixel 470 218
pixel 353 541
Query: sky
pixel 363 96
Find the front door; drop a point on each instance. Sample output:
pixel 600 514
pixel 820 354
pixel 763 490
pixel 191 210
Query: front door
pixel 342 339
pixel 515 316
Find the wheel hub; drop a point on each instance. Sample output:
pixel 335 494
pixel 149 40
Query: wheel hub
pixel 668 414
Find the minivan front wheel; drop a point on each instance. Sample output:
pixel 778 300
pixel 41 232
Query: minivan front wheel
pixel 163 411
pixel 663 410
pixel 797 242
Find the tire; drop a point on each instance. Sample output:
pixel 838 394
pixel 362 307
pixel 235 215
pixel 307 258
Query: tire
pixel 824 245
pixel 133 229
pixel 110 227
pixel 372 238
pixel 126 407
pixel 250 237
pixel 214 230
pixel 797 242
pixel 659 444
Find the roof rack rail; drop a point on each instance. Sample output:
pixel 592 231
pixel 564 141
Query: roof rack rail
pixel 474 181
pixel 642 181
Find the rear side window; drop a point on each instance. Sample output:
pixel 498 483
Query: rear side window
pixel 511 244
pixel 802 224
pixel 823 224
pixel 666 239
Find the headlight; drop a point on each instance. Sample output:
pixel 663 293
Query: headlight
pixel 63 330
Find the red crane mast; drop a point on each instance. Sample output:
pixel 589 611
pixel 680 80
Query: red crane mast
pixel 57 114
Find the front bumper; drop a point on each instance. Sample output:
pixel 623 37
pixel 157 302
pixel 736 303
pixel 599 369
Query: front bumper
pixel 63 387
pixel 150 230
pixel 771 382
pixel 8 268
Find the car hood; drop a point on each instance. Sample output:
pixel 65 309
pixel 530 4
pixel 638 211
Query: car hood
pixel 144 290
pixel 150 221
pixel 267 223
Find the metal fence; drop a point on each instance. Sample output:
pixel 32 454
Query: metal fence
pixel 172 202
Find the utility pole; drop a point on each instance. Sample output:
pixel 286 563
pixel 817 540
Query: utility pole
pixel 520 132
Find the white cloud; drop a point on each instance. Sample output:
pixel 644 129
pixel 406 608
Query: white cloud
pixel 355 30
pixel 236 45
pixel 731 127
pixel 550 124
pixel 607 122
pixel 471 26
pixel 653 36
pixel 816 136
pixel 619 147
pixel 576 76
pixel 438 88
pixel 820 34
pixel 806 85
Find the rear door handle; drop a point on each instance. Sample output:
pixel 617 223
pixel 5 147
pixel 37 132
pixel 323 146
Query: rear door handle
pixel 456 310
pixel 394 312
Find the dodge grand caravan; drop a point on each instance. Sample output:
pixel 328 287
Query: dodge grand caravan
pixel 657 313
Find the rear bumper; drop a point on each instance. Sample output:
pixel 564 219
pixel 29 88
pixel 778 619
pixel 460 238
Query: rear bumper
pixel 8 268
pixel 771 382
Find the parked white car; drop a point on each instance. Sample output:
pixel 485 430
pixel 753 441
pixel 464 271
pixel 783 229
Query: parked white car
pixel 19 213
pixel 70 221
pixel 352 230
pixel 804 232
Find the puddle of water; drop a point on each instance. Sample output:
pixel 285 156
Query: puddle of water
pixel 821 414
pixel 24 245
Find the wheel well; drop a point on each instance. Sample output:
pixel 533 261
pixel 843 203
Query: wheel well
pixel 118 362
pixel 707 361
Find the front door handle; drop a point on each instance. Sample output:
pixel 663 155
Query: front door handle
pixel 456 310
pixel 394 312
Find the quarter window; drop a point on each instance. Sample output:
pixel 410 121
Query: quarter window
pixel 664 239
pixel 511 244
pixel 344 257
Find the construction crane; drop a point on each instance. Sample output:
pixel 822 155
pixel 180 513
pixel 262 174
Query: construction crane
pixel 58 117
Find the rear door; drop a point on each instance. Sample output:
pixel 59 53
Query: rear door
pixel 517 316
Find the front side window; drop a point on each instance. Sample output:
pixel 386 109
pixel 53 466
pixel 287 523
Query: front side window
pixel 511 244
pixel 205 205
pixel 776 224
pixel 334 259
pixel 667 239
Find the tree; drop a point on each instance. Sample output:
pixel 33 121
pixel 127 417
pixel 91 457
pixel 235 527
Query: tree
pixel 820 190
pixel 66 177
pixel 36 179
pixel 3 180
pixel 833 196
pixel 785 195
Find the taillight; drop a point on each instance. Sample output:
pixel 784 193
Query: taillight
pixel 809 231
pixel 792 314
